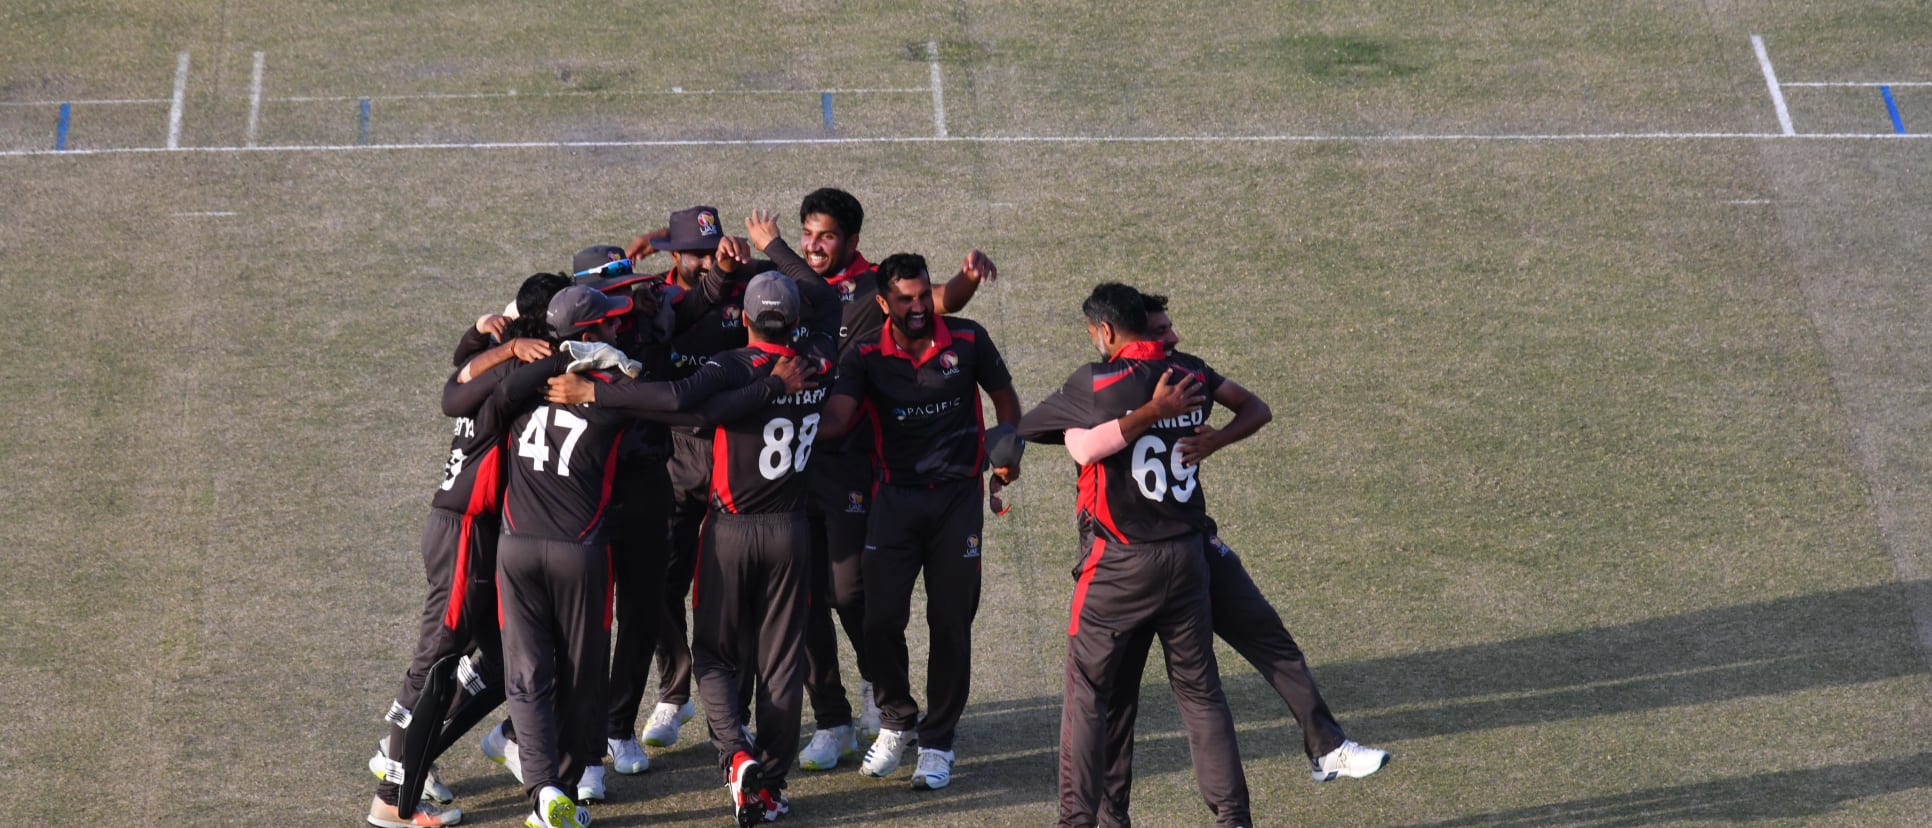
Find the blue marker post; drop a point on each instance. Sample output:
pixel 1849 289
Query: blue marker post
pixel 1891 106
pixel 60 127
pixel 362 123
pixel 825 104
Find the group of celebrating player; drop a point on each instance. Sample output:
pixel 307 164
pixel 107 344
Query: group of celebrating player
pixel 788 440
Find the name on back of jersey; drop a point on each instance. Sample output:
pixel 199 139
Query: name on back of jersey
pixel 809 396
pixel 1188 420
pixel 465 427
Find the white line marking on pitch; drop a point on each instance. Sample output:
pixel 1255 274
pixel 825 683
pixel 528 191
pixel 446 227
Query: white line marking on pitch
pixel 180 93
pixel 1749 201
pixel 255 97
pixel 1860 83
pixel 676 90
pixel 1771 83
pixel 208 213
pixel 99 102
pixel 938 91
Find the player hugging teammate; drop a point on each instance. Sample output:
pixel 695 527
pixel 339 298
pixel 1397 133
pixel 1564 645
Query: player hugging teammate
pixel 791 441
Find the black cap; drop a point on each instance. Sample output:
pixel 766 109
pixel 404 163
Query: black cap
pixel 580 307
pixel 693 229
pixel 596 255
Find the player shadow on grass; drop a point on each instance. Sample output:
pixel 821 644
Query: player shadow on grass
pixel 1782 795
pixel 1767 648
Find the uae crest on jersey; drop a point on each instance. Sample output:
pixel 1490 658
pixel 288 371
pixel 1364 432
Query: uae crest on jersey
pixel 733 317
pixel 972 547
pixel 854 503
pixel 846 289
pixel 950 362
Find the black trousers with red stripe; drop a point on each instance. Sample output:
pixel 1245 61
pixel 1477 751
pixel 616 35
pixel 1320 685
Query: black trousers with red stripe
pixel 459 611
pixel 1127 595
pixel 748 619
pixel 1245 619
pixel 841 503
pixel 935 530
pixel 555 597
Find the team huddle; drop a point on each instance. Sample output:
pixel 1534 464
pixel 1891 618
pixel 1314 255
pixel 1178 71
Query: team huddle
pixel 791 439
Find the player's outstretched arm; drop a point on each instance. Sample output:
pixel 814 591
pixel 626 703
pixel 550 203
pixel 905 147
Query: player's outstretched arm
pixel 1250 414
pixel 953 296
pixel 837 419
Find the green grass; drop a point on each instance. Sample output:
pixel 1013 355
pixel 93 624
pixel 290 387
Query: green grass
pixel 1591 493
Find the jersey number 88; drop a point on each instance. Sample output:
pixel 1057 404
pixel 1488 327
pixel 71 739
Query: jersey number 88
pixel 778 456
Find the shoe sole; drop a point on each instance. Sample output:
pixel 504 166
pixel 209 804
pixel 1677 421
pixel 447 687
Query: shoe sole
pixel 814 766
pixel 562 812
pixel 751 812
pixel 428 795
pixel 919 783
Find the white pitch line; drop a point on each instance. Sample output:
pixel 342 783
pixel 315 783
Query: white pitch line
pixel 255 97
pixel 208 213
pixel 1861 83
pixel 99 102
pixel 1000 139
pixel 938 91
pixel 180 95
pixel 1749 201
pixel 1771 83
pixel 431 96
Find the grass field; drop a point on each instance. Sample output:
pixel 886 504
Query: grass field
pixel 1598 489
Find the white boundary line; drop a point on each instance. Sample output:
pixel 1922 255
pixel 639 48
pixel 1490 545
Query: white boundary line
pixel 1771 83
pixel 255 97
pixel 1861 83
pixel 938 91
pixel 1004 139
pixel 180 93
pixel 100 102
pixel 430 96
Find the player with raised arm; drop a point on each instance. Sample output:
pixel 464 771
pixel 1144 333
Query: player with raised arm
pixel 923 376
pixel 1145 574
pixel 830 222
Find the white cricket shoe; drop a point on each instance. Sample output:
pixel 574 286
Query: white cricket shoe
pixel 827 746
pixel 433 788
pixel 662 729
pixel 555 809
pixel 1350 760
pixel 627 756
pixel 499 749
pixel 935 770
pixel 883 757
pixel 590 786
pixel 868 712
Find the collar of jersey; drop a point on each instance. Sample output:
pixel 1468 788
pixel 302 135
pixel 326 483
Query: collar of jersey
pixel 941 340
pixel 1144 350
pixel 852 269
pixel 774 350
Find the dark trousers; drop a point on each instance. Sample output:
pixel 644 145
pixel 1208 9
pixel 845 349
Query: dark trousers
pixel 459 611
pixel 1244 619
pixel 1126 595
pixel 639 549
pixel 935 530
pixel 841 503
pixel 752 586
pixel 690 473
pixel 556 653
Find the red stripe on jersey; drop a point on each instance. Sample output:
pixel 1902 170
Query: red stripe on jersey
pixel 878 446
pixel 773 349
pixel 966 336
pixel 603 498
pixel 1143 350
pixel 610 588
pixel 941 339
pixel 486 489
pixel 721 472
pixel 1097 493
pixel 460 582
pixel 1086 579
pixel 1104 380
pixel 857 267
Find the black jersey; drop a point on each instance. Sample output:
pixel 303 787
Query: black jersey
pixel 1142 493
pixel 472 471
pixel 861 317
pixel 758 460
pixel 927 426
pixel 704 328
pixel 561 459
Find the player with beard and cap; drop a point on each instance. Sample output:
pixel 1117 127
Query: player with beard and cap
pixel 923 376
pixel 1145 574
pixel 831 221
pixel 1241 615
pixel 459 560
